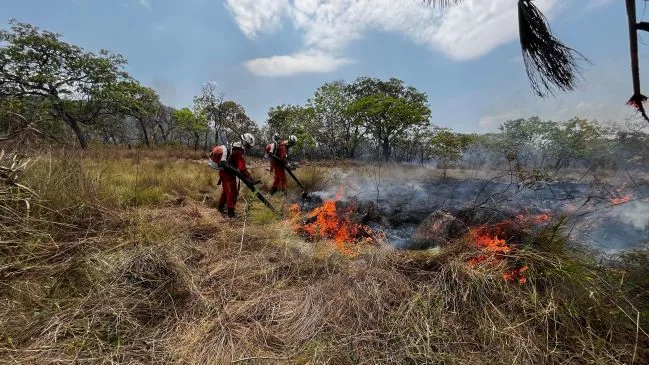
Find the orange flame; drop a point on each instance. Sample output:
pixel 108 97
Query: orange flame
pixel 494 248
pixel 489 243
pixel 516 275
pixel 326 222
pixel 533 219
pixel 620 200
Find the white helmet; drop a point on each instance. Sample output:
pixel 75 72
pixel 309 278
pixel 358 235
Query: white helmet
pixel 248 140
pixel 276 137
pixel 292 140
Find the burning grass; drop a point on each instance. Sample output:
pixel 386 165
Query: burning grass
pixel 499 242
pixel 330 222
pixel 87 279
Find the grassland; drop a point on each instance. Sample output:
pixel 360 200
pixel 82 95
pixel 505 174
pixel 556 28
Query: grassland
pixel 125 260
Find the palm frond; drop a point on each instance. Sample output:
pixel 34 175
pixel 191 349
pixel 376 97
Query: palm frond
pixel 548 62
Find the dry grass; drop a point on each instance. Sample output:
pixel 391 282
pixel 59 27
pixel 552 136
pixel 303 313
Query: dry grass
pixel 95 273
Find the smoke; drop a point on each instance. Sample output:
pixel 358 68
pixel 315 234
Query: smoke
pixel 616 228
pixel 634 213
pixel 401 197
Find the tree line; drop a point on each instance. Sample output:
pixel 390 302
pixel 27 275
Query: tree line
pixel 66 91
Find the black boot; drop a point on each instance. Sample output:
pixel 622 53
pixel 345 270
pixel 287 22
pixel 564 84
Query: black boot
pixel 221 208
pixel 231 213
pixel 273 190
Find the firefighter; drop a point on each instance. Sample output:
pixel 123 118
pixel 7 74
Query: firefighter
pixel 278 151
pixel 234 157
pixel 271 148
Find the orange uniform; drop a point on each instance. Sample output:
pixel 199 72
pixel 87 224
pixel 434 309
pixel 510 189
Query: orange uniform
pixel 229 193
pixel 280 150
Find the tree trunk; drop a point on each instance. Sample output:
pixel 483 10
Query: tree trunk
pixel 162 132
pixel 386 149
pixel 83 142
pixel 217 130
pixel 207 134
pixel 351 151
pixel 145 133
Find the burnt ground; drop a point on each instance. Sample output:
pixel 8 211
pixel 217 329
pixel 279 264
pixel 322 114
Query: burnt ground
pixel 606 217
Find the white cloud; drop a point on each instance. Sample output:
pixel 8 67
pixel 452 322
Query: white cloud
pixel 255 16
pixel 295 63
pixel 463 32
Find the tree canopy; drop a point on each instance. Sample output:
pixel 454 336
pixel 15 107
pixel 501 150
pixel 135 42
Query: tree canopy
pixel 70 80
pixel 387 109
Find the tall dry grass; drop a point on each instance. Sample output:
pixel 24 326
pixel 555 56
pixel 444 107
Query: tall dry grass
pixel 93 272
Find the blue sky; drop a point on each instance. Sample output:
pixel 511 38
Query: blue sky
pixel 268 52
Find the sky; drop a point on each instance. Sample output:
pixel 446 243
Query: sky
pixel 263 53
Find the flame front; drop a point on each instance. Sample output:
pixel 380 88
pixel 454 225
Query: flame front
pixel 489 243
pixel 489 238
pixel 326 222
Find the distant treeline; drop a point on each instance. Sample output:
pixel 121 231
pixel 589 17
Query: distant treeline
pixel 77 97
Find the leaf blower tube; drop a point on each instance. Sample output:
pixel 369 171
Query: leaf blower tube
pixel 290 172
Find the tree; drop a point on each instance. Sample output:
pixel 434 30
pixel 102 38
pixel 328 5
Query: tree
pixel 32 109
pixel 295 120
pixel 387 109
pixel 112 129
pixel 190 123
pixel 235 121
pixel 521 139
pixel 335 128
pixel 449 147
pixel 131 99
pixel 211 105
pixel 283 118
pixel 164 123
pixel 69 79
pixel 576 139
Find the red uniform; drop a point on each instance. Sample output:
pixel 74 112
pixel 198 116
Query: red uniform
pixel 229 180
pixel 281 151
